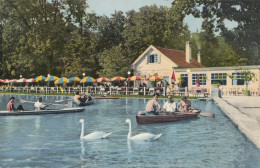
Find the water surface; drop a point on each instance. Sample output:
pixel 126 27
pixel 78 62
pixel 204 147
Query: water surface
pixel 53 140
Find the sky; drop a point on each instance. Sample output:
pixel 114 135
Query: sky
pixel 108 7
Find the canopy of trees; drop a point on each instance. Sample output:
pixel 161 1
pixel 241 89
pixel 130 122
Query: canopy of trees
pixel 61 38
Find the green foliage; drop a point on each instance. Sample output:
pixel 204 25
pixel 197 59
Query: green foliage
pixel 244 39
pixel 114 62
pixel 246 75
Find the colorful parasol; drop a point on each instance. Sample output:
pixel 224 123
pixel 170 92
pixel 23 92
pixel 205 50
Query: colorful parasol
pixel 87 79
pixel 102 79
pixel 13 81
pixel 74 79
pixel 61 80
pixel 198 81
pixel 134 78
pixel 30 80
pixel 118 78
pixel 51 78
pixel 173 76
pixel 5 81
pixel 154 78
pixel 40 78
pixel 22 80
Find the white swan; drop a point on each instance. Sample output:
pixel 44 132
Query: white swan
pixel 93 135
pixel 142 136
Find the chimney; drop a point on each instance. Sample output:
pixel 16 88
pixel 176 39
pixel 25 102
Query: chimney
pixel 198 57
pixel 188 52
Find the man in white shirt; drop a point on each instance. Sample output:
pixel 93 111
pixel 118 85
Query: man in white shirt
pixel 39 105
pixel 170 105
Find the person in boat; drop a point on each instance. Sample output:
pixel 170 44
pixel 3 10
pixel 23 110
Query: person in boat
pixel 79 99
pixel 170 105
pixel 10 106
pixel 152 106
pixel 39 105
pixel 184 105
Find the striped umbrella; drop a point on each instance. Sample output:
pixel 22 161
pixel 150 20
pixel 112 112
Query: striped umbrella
pixel 74 79
pixel 40 78
pixel 5 81
pixel 61 80
pixel 155 78
pixel 13 81
pixel 117 78
pixel 102 79
pixel 134 78
pixel 51 78
pixel 87 79
pixel 22 80
pixel 30 80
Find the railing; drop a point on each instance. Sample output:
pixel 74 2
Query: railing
pixel 91 90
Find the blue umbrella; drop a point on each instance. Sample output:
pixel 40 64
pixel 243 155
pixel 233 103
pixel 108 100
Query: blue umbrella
pixel 40 78
pixel 51 78
pixel 87 79
pixel 74 79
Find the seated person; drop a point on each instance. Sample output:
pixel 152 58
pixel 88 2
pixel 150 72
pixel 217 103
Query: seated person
pixel 151 106
pixel 10 106
pixel 77 98
pixel 39 105
pixel 184 105
pixel 170 105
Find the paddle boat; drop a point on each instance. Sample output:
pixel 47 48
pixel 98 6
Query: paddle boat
pixel 40 112
pixel 166 117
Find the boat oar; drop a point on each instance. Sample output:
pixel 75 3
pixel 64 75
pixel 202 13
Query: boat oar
pixel 207 115
pixel 26 101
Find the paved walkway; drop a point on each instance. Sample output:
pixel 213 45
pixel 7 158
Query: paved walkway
pixel 244 111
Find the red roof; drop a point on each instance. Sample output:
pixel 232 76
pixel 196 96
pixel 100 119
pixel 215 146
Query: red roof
pixel 178 57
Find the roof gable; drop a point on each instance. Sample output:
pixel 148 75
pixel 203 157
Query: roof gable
pixel 178 57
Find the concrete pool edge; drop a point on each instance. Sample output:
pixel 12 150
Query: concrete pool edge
pixel 249 126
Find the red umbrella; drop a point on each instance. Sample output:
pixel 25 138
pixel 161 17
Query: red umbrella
pixel 102 79
pixel 198 81
pixel 173 76
pixel 134 78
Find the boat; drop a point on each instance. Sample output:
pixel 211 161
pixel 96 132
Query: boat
pixel 166 117
pixel 40 112
pixel 84 103
pixel 106 98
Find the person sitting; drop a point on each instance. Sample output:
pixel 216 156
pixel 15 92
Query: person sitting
pixel 40 106
pixel 151 106
pixel 77 98
pixel 10 106
pixel 170 105
pixel 184 105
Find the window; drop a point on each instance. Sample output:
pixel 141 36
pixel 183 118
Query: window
pixel 219 78
pixel 153 58
pixel 237 79
pixel 202 78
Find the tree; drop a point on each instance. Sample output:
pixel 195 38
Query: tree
pixel 243 38
pixel 114 62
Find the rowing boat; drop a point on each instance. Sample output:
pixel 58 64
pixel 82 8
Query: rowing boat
pixel 40 112
pixel 166 117
pixel 106 98
pixel 83 103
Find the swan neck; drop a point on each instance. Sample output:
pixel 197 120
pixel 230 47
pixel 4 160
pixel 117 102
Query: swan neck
pixel 82 130
pixel 130 131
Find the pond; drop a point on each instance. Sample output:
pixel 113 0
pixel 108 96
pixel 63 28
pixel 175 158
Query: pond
pixel 53 140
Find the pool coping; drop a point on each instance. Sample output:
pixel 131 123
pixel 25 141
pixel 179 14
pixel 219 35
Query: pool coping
pixel 248 126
